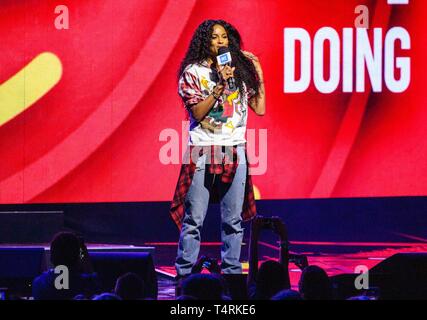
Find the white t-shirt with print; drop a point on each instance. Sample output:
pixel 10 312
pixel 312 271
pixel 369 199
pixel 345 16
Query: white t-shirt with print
pixel 225 124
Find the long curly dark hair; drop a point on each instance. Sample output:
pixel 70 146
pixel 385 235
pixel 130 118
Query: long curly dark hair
pixel 199 51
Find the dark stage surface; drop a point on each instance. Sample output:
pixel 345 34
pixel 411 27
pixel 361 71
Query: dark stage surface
pixel 335 234
pixel 308 220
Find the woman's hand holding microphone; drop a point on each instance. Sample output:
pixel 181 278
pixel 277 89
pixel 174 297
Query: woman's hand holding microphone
pixel 226 72
pixel 217 91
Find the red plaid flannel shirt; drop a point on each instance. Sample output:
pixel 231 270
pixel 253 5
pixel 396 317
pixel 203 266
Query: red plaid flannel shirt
pixel 224 166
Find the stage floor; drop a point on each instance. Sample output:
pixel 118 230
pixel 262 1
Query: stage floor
pixel 334 257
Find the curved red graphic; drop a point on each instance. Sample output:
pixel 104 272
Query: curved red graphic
pixel 350 124
pixel 126 94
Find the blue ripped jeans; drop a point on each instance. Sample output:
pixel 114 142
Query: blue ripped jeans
pixel 196 204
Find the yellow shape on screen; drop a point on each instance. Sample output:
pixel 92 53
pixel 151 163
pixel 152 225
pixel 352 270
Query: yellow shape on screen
pixel 28 85
pixel 257 194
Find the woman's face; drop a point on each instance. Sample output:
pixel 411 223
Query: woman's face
pixel 219 39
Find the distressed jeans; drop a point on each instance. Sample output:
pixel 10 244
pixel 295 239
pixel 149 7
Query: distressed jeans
pixel 196 204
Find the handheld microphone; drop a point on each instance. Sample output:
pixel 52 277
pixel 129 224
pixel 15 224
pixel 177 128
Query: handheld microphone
pixel 224 58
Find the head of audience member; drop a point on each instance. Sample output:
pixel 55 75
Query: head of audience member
pixel 315 284
pixel 130 287
pixel 185 297
pixel 359 298
pixel 270 280
pixel 203 287
pixel 287 294
pixel 65 250
pixel 107 296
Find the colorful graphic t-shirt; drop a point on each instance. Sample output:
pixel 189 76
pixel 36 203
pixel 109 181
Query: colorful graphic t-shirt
pixel 225 124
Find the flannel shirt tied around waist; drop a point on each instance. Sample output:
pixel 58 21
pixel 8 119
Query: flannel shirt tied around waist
pixel 223 166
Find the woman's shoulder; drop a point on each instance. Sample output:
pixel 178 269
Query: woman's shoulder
pixel 190 68
pixel 196 67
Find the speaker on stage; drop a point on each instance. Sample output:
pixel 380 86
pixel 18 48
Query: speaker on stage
pixel 400 277
pixel 18 268
pixel 111 265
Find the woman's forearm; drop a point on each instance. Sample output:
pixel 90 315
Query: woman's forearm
pixel 200 110
pixel 258 103
pixel 284 261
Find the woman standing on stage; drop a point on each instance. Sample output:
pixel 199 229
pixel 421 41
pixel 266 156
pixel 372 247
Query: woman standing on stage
pixel 217 145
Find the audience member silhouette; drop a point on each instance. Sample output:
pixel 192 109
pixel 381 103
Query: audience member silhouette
pixel 287 294
pixel 67 250
pixel 130 287
pixel 315 284
pixel 203 287
pixel 107 296
pixel 273 276
pixel 270 280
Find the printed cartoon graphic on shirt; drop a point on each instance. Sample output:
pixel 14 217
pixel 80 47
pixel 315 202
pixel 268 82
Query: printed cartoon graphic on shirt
pixel 225 123
pixel 205 83
pixel 223 112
